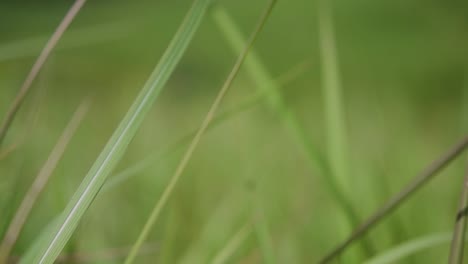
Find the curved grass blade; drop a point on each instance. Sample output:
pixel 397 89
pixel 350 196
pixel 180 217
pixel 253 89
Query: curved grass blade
pixel 124 175
pixel 398 253
pixel 233 244
pixel 26 86
pixel 263 80
pixel 395 201
pixel 22 213
pixel 117 144
pixel 75 38
pixel 221 118
pixel 332 90
pixel 188 154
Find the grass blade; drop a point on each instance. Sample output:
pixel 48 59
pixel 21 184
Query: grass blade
pixel 75 38
pixel 332 91
pixel 398 253
pixel 264 238
pixel 233 244
pixel 22 213
pixel 187 155
pixel 221 118
pixel 399 198
pixel 121 177
pixel 263 80
pixel 117 144
pixel 26 86
pixel 458 240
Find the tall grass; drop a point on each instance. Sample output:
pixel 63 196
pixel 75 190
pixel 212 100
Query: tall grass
pixel 13 231
pixel 398 253
pixel 26 86
pixel 394 202
pixel 196 139
pixel 458 241
pixel 117 144
pixel 325 166
pixel 337 146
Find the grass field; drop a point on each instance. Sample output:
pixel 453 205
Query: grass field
pixel 337 106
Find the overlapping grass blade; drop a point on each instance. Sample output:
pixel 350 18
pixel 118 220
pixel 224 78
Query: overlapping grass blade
pixel 263 80
pixel 154 158
pixel 398 253
pixel 458 238
pixel 196 139
pixel 26 86
pixel 233 244
pixel 122 136
pixel 75 38
pixel 333 101
pixel 418 182
pixel 221 118
pixel 22 213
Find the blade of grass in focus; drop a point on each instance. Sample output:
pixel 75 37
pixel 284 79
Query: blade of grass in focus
pixel 196 139
pixel 262 78
pixel 117 144
pixel 38 64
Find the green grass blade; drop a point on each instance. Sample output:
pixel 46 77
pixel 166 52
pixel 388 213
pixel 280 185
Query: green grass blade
pixel 395 201
pixel 233 244
pixel 265 82
pixel 221 118
pixel 27 204
pixel 119 141
pixel 262 78
pixel 196 139
pixel 264 238
pixel 458 239
pixel 398 253
pixel 36 68
pixel 332 91
pixel 75 38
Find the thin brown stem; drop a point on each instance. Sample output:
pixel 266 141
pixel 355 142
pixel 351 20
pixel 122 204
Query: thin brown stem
pixel 26 86
pixel 40 181
pixel 398 199
pixel 458 239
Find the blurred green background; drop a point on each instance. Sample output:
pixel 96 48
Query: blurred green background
pixel 405 94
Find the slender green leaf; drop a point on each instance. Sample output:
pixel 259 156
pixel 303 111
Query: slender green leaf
pixel 39 183
pixel 74 38
pixel 36 68
pixel 398 253
pixel 233 244
pixel 122 136
pixel 332 91
pixel 263 80
pixel 196 139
